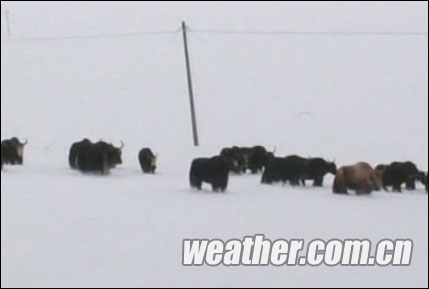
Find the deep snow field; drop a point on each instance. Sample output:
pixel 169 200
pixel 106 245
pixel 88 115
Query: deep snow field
pixel 348 99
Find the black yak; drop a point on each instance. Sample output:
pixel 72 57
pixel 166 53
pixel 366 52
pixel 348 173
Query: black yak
pixel 76 149
pixel 296 170
pixel 214 171
pixel 314 169
pixel 258 159
pixel 398 173
pixel 279 170
pixel 147 161
pixel 98 157
pixel 235 156
pixel 12 151
pixel 243 159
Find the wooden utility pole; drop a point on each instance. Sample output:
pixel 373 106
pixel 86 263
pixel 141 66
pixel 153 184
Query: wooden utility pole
pixel 190 88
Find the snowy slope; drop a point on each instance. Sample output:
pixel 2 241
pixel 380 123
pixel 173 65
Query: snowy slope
pixel 348 99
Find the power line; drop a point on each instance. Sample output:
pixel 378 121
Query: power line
pixel 208 31
pixel 93 36
pixel 309 33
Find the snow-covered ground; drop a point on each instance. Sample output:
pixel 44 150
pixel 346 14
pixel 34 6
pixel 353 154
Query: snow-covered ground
pixel 344 98
pixel 60 228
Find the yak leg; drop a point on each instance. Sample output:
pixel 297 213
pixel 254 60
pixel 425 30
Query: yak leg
pixel 318 181
pixel 397 188
pixel 196 183
pixel 411 185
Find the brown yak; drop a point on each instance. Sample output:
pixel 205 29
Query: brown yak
pixel 361 178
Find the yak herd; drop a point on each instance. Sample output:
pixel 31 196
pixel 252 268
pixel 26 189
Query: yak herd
pixel 296 170
pixel 101 157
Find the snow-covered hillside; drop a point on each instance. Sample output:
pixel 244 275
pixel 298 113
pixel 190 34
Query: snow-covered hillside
pixel 345 98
